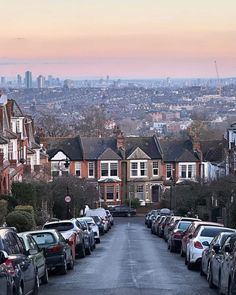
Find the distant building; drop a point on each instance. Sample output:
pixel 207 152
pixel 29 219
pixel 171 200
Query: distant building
pixel 28 80
pixel 19 80
pixel 3 81
pixel 41 82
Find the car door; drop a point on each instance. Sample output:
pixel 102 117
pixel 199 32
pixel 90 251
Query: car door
pixel 3 280
pixel 39 257
pixel 67 248
pixel 21 261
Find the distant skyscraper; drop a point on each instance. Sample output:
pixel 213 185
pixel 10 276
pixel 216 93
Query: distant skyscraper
pixel 28 80
pixel 3 81
pixel 41 81
pixel 19 81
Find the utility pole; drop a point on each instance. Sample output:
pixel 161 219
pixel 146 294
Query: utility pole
pixel 219 88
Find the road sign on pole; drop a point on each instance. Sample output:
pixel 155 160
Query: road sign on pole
pixel 67 199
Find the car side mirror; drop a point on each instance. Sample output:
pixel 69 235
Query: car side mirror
pixel 216 248
pixel 227 248
pixel 206 243
pixel 3 256
pixel 190 236
pixel 32 252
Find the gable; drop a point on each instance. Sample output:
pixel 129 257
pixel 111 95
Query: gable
pixel 138 154
pixel 109 154
pixel 187 156
pixel 59 156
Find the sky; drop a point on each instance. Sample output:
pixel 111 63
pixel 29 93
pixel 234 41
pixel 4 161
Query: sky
pixel 119 38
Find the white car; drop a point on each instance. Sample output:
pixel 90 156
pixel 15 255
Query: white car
pixel 93 227
pixel 199 241
pixel 109 215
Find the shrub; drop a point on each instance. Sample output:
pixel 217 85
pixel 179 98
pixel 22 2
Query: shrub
pixel 28 209
pixel 21 220
pixel 3 210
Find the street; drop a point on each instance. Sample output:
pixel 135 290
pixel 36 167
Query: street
pixel 129 261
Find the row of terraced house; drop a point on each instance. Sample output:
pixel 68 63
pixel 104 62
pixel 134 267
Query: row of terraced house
pixel 120 167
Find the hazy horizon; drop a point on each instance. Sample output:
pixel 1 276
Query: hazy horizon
pixel 139 38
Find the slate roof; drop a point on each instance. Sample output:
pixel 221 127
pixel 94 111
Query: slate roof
pixel 109 154
pixel 10 134
pixel 3 140
pixel 178 151
pixel 94 147
pixel 147 144
pixel 213 150
pixel 71 147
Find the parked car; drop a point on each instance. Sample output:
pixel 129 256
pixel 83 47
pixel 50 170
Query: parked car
pixel 57 251
pixel 36 255
pixel 70 230
pixel 200 240
pixel 193 227
pixel 99 222
pixel 162 226
pixel 92 224
pixel 176 235
pixel 211 257
pixel 122 210
pixel 170 226
pixel 109 215
pixel 89 240
pixel 227 271
pixel 24 276
pixel 6 279
pixel 151 217
pixel 158 224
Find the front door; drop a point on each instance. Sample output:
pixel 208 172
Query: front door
pixel 155 193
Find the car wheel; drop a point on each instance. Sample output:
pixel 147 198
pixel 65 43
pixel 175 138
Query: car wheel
pixel 82 253
pixel 172 248
pixel 209 276
pixel 63 268
pixel 98 241
pixel 190 265
pixel 201 271
pixel 44 278
pixel 182 254
pixel 94 245
pixel 185 260
pixel 88 251
pixel 71 263
pixel 36 286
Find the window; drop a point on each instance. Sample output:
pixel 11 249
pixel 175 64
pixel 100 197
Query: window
pixel 138 169
pixel 117 192
pixel 140 192
pixel 109 169
pixel 155 170
pixel 110 192
pixel 91 171
pixel 78 169
pixel 168 170
pixel 58 169
pixel 28 161
pixel 17 126
pixel 187 171
pixel 10 150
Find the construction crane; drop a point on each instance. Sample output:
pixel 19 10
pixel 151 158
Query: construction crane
pixel 219 88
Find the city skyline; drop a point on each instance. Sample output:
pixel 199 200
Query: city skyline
pixel 138 39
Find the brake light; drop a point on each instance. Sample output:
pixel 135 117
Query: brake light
pixel 178 235
pixel 198 245
pixel 55 249
pixel 9 267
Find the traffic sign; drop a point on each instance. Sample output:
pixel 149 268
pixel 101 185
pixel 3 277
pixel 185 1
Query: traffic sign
pixel 67 199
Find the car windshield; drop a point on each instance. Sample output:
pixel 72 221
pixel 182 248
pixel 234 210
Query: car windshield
pixel 44 238
pixel 212 231
pixel 183 225
pixel 96 218
pixel 60 226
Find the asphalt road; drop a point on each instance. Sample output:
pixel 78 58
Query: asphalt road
pixel 129 261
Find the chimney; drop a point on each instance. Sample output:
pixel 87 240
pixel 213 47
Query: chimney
pixel 120 139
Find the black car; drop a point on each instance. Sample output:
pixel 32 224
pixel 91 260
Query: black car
pixel 57 251
pixel 99 222
pixel 122 210
pixel 21 272
pixel 6 280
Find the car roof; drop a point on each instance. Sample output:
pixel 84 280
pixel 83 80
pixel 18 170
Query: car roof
pixel 53 231
pixel 59 221
pixel 212 226
pixel 207 223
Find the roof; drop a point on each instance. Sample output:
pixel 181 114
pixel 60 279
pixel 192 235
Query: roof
pixel 109 154
pixel 71 147
pixel 146 144
pixel 178 151
pixel 94 147
pixel 213 150
pixel 3 140
pixel 10 134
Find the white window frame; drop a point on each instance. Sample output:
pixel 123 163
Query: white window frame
pixel 93 168
pixel 140 192
pixel 112 188
pixel 139 168
pixel 109 169
pixel 171 170
pixel 187 165
pixel 78 168
pixel 155 168
pixel 61 170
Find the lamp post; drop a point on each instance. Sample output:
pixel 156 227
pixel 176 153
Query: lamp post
pixel 67 197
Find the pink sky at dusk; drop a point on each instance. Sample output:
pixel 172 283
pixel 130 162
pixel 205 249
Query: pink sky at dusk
pixel 129 38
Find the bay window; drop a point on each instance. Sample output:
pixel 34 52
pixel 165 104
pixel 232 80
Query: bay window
pixel 138 168
pixel 109 169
